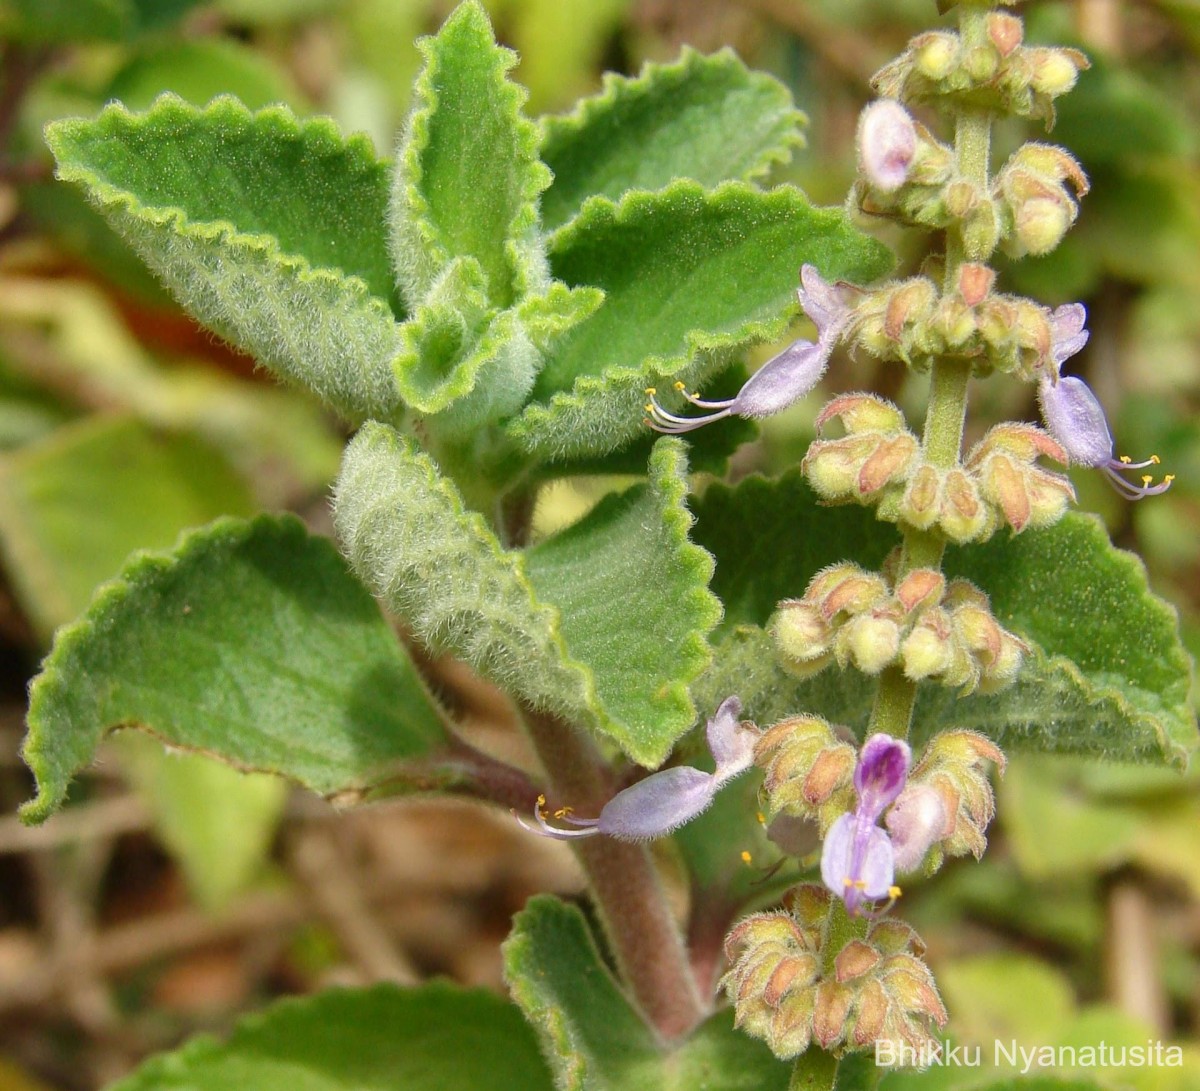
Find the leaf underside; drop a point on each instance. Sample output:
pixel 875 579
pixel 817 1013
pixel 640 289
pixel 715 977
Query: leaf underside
pixel 554 627
pixel 268 229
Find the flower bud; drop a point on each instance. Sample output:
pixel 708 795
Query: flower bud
pixel 920 504
pixel 1004 463
pixel 802 635
pixel 876 450
pixel 887 144
pixel 953 766
pixel 920 587
pixel 870 641
pixel 809 771
pixel 981 62
pixel 963 516
pixel 1053 72
pixel 1004 31
pixel 927 650
pixel 936 55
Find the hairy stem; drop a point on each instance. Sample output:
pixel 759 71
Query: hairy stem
pixel 949 380
pixel 625 886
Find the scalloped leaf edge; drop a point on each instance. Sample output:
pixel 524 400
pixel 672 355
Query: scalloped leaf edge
pixel 616 89
pixel 112 198
pixel 703 353
pixel 418 254
pixel 111 595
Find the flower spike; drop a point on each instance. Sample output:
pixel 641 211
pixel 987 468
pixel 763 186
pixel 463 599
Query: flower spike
pixel 665 800
pixel 783 379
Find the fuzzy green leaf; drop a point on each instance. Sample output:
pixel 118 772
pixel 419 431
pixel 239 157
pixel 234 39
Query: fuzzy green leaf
pixel 591 1034
pixel 1115 686
pixel 467 176
pixel 691 277
pixel 250 642
pixel 266 228
pixel 703 117
pixel 383 1038
pixel 603 624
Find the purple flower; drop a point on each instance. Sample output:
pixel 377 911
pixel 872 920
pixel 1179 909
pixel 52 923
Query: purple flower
pixel 1075 417
pixel 784 378
pixel 668 799
pixel 887 144
pixel 858 860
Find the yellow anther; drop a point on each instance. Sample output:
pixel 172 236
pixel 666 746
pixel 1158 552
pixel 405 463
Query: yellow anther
pixel 1155 459
pixel 893 892
pixel 745 857
pixel 681 387
pixel 1126 459
pixel 762 818
pixel 1169 478
pixel 651 391
pixel 562 812
pixel 860 884
pixel 849 882
pixel 647 408
pixel 1146 479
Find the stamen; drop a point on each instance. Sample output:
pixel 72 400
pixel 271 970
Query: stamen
pixel 762 818
pixel 672 424
pixel 746 857
pixel 544 829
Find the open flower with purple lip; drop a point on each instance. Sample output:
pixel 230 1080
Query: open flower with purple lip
pixel 1075 418
pixel 858 861
pixel 668 799
pixel 784 378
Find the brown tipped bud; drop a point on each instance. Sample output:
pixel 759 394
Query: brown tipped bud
pixel 854 591
pixel 975 282
pixel 961 198
pixel 807 767
pixel 963 516
pixel 792 973
pixel 854 960
pixel 809 903
pixel 791 1027
pixel 891 936
pixel 920 587
pixel 920 504
pixel 1004 465
pixel 953 766
pixel 830 1010
pixel 862 413
pixel 1004 31
pixel 1049 162
pixel 871 1010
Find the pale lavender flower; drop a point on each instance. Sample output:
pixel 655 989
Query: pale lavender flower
pixel 784 378
pixel 858 860
pixel 1075 418
pixel 887 143
pixel 668 799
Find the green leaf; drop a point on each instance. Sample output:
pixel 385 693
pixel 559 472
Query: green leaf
pixel 266 228
pixel 592 1036
pixel 635 606
pixel 708 118
pixel 691 277
pixel 467 175
pixel 1117 686
pixel 383 1038
pixel 1070 590
pixel 251 642
pixel 74 505
pixel 603 624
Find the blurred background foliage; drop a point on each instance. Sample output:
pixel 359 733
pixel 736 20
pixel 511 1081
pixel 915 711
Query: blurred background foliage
pixel 175 893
